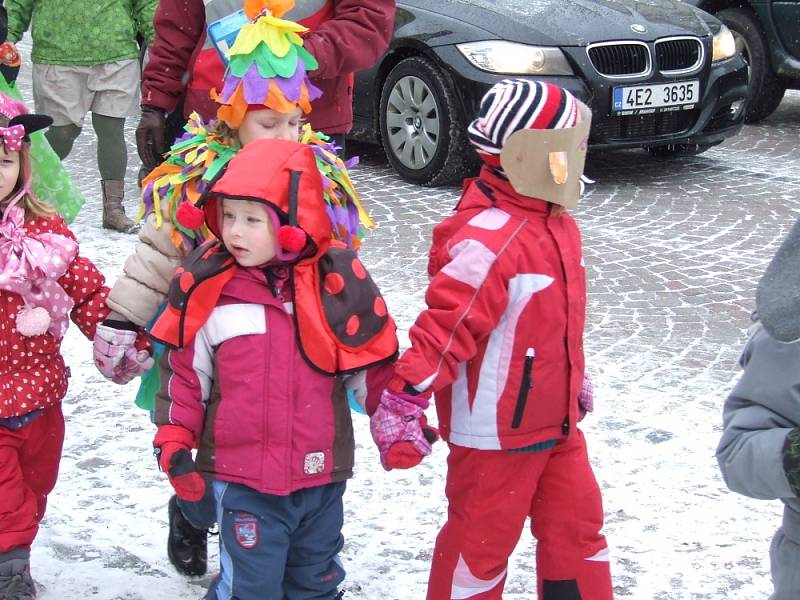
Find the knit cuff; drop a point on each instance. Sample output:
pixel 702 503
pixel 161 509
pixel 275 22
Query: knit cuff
pixel 791 460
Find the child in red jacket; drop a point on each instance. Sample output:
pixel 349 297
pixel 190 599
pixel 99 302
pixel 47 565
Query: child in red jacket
pixel 43 282
pixel 501 346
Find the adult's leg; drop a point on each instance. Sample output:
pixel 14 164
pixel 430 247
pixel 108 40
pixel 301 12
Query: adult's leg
pixel 572 559
pixel 62 138
pixel 112 152
pixel 489 494
pixel 313 568
pixel 112 160
pixel 115 87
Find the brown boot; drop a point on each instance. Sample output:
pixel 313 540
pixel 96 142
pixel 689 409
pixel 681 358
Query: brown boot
pixel 113 212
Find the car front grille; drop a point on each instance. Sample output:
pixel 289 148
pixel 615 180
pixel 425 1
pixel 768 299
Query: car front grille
pixel 631 127
pixel 620 59
pixel 678 54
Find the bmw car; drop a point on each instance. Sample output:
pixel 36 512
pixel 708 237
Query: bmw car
pixel 657 74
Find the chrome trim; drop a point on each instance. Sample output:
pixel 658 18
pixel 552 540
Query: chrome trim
pixel 643 75
pixel 696 66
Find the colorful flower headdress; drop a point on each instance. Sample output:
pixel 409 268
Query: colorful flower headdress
pixel 267 65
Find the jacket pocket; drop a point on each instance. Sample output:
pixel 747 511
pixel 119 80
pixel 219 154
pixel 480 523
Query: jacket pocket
pixel 525 385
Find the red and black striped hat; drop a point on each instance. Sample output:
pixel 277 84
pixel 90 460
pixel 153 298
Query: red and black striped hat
pixel 514 104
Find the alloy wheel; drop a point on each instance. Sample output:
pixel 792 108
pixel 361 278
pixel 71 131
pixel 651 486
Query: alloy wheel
pixel 412 122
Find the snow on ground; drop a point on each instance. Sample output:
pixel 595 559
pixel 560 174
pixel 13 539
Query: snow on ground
pixel 672 266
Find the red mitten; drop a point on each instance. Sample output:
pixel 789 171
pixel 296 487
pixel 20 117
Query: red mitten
pixel 173 445
pixel 405 455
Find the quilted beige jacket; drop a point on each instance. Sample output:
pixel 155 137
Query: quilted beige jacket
pixel 143 286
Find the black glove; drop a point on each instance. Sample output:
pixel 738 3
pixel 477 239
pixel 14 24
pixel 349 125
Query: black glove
pixel 150 136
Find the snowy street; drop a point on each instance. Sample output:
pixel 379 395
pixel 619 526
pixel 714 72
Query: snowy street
pixel 674 249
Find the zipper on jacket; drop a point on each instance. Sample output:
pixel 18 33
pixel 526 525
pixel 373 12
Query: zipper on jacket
pixel 524 387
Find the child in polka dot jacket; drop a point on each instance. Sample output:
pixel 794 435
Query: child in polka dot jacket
pixel 43 282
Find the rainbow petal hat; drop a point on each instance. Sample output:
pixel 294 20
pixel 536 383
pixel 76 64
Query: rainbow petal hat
pixel 267 65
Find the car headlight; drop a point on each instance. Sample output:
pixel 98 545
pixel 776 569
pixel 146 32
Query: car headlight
pixel 724 46
pixel 511 58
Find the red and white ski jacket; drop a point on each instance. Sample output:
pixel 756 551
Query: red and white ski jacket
pixel 501 342
pixel 32 371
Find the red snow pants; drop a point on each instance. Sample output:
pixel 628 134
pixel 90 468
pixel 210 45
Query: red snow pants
pixel 490 493
pixel 29 459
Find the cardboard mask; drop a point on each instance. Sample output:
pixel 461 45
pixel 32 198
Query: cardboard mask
pixel 535 159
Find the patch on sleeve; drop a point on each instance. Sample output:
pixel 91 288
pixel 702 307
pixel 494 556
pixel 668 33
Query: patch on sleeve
pixel 245 529
pixel 314 463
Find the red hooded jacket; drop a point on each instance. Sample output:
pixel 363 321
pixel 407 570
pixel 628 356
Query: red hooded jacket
pixel 345 36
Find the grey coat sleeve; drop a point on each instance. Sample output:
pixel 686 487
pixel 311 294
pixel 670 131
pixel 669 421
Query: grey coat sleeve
pixel 760 411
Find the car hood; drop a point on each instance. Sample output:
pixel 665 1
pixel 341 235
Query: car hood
pixel 573 22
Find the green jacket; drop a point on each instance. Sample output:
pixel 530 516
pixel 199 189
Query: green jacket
pixel 82 32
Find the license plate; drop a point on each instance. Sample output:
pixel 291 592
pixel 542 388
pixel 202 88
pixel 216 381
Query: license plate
pixel 659 97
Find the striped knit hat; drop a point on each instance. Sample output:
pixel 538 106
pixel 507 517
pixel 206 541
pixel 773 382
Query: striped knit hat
pixel 514 104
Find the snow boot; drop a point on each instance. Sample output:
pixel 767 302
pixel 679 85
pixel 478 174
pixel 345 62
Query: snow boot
pixel 187 546
pixel 113 212
pixel 15 576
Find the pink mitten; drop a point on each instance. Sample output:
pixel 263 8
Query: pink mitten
pixel 134 363
pixel 116 355
pixel 586 396
pixel 400 430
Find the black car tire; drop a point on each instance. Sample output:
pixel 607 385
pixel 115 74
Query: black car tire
pixel 764 89
pixel 435 143
pixel 679 149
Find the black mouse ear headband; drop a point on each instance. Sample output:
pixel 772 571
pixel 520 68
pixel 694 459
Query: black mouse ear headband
pixel 31 122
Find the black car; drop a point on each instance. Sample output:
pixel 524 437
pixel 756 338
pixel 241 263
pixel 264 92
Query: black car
pixel 658 74
pixel 767 33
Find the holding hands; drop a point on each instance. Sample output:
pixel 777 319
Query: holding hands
pixel 121 351
pixel 401 431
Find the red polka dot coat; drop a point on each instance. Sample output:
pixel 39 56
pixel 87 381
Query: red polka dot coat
pixel 33 374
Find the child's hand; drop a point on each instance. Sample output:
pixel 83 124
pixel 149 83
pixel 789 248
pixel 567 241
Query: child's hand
pixel 118 352
pixel 401 431
pixel 173 445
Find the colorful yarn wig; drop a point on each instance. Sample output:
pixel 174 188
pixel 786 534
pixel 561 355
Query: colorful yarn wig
pixel 199 156
pixel 267 65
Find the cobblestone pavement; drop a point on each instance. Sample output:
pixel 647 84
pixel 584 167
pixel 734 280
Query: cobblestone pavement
pixel 673 248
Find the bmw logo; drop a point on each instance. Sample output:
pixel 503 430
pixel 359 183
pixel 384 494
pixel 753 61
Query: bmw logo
pixel 638 28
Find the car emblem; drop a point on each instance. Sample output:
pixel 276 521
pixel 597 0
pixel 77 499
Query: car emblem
pixel 638 28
